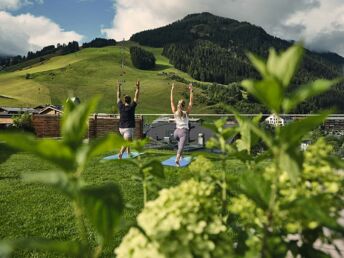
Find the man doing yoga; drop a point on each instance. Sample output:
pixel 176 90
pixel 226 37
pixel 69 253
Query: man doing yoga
pixel 127 116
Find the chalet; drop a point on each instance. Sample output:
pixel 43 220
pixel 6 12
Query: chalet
pixel 51 110
pixel 275 120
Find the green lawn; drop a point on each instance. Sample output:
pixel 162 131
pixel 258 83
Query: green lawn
pixel 90 72
pixel 33 210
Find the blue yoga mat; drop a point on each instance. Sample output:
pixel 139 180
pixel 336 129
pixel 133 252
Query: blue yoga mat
pixel 133 155
pixel 172 161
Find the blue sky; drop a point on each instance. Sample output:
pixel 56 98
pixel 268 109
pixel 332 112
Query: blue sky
pixel 29 25
pixel 83 16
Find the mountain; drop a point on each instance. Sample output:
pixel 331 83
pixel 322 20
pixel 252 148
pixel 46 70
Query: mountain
pixel 203 48
pixel 333 57
pixel 213 49
pixel 90 72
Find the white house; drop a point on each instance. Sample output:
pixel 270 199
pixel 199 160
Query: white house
pixel 275 120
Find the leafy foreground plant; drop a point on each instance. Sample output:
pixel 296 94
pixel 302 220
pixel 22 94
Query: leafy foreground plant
pixel 288 205
pixel 183 221
pixel 147 170
pixel 100 205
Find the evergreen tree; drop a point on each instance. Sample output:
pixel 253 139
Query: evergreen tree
pixel 141 58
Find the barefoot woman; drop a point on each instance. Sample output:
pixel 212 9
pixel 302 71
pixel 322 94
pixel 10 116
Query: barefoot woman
pixel 127 116
pixel 181 115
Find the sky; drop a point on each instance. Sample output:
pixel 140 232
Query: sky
pixel 29 25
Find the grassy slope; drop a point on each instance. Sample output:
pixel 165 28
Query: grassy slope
pixel 33 210
pixel 87 73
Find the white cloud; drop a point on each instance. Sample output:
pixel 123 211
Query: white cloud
pixel 323 26
pixel 25 32
pixel 290 19
pixel 16 4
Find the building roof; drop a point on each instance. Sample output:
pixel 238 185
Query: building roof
pixel 51 107
pixel 16 110
pixel 159 130
pixel 41 106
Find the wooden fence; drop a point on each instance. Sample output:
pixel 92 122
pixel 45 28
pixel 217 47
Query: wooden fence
pixel 99 125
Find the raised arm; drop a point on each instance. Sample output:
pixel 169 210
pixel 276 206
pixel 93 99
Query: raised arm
pixel 173 107
pixel 118 91
pixel 191 99
pixel 137 92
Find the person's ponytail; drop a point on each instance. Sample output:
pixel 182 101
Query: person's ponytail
pixel 180 113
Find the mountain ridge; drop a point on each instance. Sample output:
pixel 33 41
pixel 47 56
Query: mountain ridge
pixel 195 18
pixel 214 49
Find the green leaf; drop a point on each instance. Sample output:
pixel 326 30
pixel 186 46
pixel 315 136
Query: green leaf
pixel 243 156
pixel 139 144
pixel 292 134
pixel 272 61
pixel 220 123
pixel 308 250
pixel 59 180
pixel 264 156
pixel 289 163
pixel 75 122
pixel 307 91
pixel 229 133
pixel 103 206
pixel 6 152
pixel 53 151
pixel 268 92
pixel 259 64
pixel 284 67
pixel 248 139
pixel 261 133
pixel 6 249
pixel 255 187
pixel 210 126
pixel 154 168
pixel 70 248
pixel 336 162
pixel 314 209
pixel 109 143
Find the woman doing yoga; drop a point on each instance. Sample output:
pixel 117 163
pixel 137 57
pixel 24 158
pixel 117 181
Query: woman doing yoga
pixel 181 115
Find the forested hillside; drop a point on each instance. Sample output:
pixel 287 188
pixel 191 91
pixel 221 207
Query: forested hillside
pixel 213 49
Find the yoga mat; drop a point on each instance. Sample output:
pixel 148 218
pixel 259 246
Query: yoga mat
pixel 133 155
pixel 172 161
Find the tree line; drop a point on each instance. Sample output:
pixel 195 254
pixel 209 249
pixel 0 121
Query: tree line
pixel 59 49
pixel 141 58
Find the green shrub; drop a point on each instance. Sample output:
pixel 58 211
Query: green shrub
pixel 287 204
pixel 184 221
pixel 24 122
